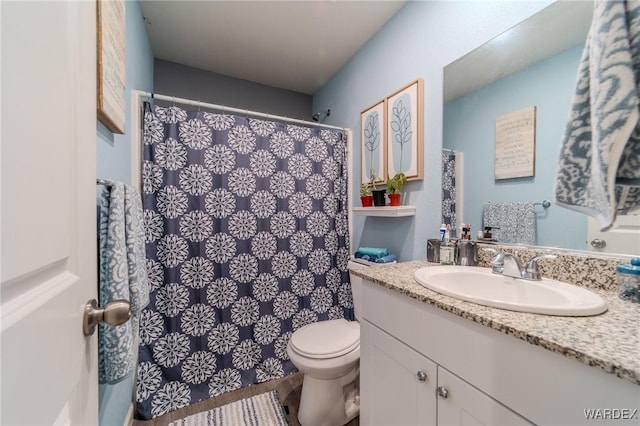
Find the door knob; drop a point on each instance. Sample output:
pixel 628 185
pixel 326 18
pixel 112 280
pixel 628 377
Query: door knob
pixel 598 243
pixel 422 376
pixel 115 313
pixel 442 392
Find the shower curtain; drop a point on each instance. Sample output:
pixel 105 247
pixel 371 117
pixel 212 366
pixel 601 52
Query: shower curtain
pixel 247 240
pixel 449 188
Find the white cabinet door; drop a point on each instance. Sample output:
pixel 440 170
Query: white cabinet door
pixel 397 383
pixel 48 216
pixel 459 403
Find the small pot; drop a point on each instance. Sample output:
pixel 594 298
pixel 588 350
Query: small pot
pixel 394 199
pixel 367 201
pixel 378 197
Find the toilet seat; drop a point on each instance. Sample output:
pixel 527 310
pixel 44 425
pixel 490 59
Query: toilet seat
pixel 326 339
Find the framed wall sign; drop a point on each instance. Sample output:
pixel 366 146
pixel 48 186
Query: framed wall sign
pixel 404 126
pixel 372 144
pixel 515 154
pixel 111 64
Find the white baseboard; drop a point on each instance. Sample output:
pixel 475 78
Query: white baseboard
pixel 128 420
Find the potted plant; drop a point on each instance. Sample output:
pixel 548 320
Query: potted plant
pixel 394 186
pixel 365 194
pixel 378 194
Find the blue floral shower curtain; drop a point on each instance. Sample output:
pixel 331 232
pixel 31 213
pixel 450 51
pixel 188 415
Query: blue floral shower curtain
pixel 247 240
pixel 449 188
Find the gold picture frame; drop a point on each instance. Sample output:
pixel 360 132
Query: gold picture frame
pixel 111 64
pixel 404 130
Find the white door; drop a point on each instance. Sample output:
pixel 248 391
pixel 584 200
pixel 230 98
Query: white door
pixel 397 384
pixel 48 215
pixel 622 238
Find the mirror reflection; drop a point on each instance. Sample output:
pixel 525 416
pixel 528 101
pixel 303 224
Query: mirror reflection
pixel 533 64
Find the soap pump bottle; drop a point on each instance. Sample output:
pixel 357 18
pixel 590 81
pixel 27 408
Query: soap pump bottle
pixel 447 249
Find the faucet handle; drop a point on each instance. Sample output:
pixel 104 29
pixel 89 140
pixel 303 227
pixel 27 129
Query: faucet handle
pixel 497 261
pixel 531 270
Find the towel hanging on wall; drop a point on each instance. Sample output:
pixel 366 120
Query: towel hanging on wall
pixel 517 222
pixel 599 167
pixel 123 275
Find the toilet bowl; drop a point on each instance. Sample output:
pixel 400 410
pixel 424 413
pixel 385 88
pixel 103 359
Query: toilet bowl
pixel 328 354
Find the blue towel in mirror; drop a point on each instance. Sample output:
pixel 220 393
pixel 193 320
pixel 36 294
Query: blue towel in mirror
pixel 599 166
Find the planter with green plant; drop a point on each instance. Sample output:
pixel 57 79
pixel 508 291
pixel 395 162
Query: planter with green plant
pixel 365 194
pixel 394 187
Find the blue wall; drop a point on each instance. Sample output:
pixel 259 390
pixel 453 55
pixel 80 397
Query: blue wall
pixel 417 42
pixel 114 162
pixel 469 126
pixel 187 82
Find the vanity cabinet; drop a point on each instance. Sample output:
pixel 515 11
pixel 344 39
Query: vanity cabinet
pixel 490 377
pixel 397 383
pixel 400 386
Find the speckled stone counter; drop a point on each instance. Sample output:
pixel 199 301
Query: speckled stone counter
pixel 610 341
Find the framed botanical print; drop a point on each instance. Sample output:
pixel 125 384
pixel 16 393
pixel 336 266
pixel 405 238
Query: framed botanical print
pixel 372 144
pixel 404 128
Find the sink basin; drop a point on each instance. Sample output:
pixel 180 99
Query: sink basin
pixel 481 286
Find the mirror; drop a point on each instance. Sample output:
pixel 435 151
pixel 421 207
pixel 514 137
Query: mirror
pixel 534 63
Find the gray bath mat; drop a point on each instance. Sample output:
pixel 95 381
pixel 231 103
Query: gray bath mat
pixel 264 409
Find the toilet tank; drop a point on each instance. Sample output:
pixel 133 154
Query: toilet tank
pixel 356 288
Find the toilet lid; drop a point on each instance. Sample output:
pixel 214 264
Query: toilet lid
pixel 326 339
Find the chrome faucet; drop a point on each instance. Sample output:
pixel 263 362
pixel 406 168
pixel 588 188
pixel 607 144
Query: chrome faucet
pixel 508 265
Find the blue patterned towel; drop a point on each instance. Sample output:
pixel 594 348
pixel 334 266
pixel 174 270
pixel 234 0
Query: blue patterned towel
pixel 123 275
pixel 601 148
pixel 517 222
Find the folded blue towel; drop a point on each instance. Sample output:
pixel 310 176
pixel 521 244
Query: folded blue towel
pixel 359 255
pixel 387 259
pixel 373 252
pixel 601 147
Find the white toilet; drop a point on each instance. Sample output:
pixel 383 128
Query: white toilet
pixel 328 354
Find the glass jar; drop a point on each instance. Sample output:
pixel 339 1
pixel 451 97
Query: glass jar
pixel 629 280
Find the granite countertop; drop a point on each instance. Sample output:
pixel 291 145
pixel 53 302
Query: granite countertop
pixel 610 341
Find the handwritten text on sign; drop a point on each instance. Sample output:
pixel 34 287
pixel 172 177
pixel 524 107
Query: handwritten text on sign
pixel 516 144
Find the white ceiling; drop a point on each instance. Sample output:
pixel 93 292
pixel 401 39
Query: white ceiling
pixel 557 27
pixel 294 45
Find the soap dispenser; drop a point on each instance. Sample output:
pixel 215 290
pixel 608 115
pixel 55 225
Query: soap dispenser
pixel 447 249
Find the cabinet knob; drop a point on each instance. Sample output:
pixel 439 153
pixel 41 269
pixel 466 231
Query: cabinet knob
pixel 442 392
pixel 422 376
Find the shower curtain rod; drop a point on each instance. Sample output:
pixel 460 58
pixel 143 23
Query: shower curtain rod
pixel 236 110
